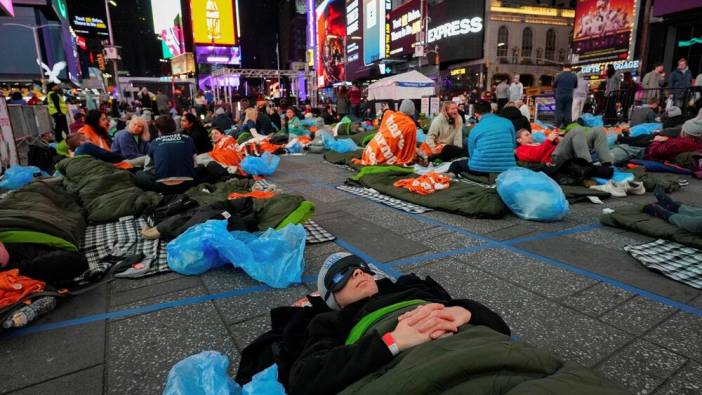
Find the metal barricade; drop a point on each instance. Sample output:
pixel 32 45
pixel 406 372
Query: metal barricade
pixel 29 123
pixel 617 105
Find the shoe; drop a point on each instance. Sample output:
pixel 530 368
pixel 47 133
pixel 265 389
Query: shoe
pixel 618 191
pixel 635 188
pixel 656 210
pixel 150 233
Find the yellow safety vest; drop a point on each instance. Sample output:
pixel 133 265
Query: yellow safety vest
pixel 62 104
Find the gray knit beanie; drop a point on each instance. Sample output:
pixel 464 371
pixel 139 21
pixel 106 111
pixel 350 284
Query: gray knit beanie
pixel 693 127
pixel 407 107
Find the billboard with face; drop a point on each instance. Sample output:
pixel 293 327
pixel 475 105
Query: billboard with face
pixel 331 30
pixel 603 29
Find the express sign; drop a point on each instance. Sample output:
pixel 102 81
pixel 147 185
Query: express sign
pixel 457 29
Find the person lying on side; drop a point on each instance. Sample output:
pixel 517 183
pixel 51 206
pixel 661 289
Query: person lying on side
pixel 579 142
pixel 667 148
pixel 684 217
pixel 346 283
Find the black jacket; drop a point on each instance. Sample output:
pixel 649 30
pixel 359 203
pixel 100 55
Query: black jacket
pixel 222 122
pixel 201 139
pixel 264 125
pixel 327 366
pixel 516 117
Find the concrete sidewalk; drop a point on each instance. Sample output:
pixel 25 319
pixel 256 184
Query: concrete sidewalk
pixel 566 286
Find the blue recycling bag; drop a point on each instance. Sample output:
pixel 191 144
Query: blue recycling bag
pixel 18 176
pixel 341 146
pixel 531 195
pixel 538 137
pixel 206 374
pixel 265 165
pixel 201 374
pixel 645 129
pixel 273 257
pixel 421 136
pixel 617 176
pixel 592 121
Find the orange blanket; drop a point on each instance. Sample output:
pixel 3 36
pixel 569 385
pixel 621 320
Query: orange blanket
pixel 426 184
pixel 394 144
pixel 226 152
pixel 253 194
pixel 14 287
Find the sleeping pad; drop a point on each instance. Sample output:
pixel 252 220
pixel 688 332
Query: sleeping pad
pixel 107 193
pixel 43 214
pixel 635 220
pixel 477 360
pixel 459 198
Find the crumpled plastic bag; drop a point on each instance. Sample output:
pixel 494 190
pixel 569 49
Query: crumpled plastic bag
pixel 645 129
pixel 294 146
pixel 273 257
pixel 265 165
pixel 206 374
pixel 538 137
pixel 531 195
pixel 421 136
pixel 617 176
pixel 341 146
pixel 201 374
pixel 18 176
pixel 592 121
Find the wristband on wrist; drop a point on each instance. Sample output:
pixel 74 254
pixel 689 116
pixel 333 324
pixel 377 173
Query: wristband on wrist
pixel 390 342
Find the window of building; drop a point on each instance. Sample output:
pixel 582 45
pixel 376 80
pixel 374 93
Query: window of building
pixel 527 42
pixel 550 44
pixel 502 41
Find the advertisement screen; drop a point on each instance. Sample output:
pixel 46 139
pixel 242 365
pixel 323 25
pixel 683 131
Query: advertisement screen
pixel 457 28
pixel 661 8
pixel 354 37
pixel 331 30
pixel 373 30
pixel 168 25
pixel 603 29
pixel 7 6
pixel 401 28
pixel 213 22
pixel 217 55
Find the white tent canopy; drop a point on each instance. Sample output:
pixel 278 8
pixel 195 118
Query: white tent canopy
pixel 410 85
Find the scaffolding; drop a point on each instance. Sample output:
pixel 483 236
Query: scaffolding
pixel 227 79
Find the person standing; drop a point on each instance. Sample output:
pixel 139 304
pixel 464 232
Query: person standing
pixel 163 104
pixel 516 89
pixel 342 103
pixel 565 85
pixel 611 94
pixel 502 94
pixel 628 93
pixel 58 111
pixel 653 81
pixel 679 82
pixel 355 100
pixel 579 97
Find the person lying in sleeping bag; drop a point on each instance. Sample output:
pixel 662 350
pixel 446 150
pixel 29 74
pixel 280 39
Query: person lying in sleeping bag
pixel 411 337
pixel 667 148
pixel 678 214
pixel 579 142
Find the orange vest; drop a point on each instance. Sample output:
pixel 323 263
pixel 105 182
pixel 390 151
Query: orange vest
pixel 226 152
pixel 394 144
pixel 94 138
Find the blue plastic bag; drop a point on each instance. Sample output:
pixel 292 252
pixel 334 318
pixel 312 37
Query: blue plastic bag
pixel 612 139
pixel 265 382
pixel 617 176
pixel 341 146
pixel 18 176
pixel 645 129
pixel 592 121
pixel 531 195
pixel 421 136
pixel 538 137
pixel 265 165
pixel 201 374
pixel 274 257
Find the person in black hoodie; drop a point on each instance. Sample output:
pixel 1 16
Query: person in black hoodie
pixel 192 127
pixel 264 125
pixel 346 283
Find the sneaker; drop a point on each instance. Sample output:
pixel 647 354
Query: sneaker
pixel 635 187
pixel 618 191
pixel 150 233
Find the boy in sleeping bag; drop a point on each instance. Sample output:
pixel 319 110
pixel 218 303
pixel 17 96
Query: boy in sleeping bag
pixel 411 337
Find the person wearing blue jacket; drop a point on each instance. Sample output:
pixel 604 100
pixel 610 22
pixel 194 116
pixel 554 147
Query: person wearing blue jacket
pixel 491 144
pixel 679 82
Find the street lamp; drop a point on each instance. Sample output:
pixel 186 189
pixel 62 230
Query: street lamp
pixel 35 30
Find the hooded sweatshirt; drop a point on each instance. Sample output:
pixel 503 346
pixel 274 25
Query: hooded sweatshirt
pixel 442 132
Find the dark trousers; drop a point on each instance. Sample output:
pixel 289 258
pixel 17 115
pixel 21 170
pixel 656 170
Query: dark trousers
pixel 564 110
pixel 501 103
pixel 60 126
pixel 461 166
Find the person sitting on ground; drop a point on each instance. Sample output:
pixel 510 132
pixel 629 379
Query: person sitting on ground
pixel 226 150
pixel 490 144
pixel 192 127
pixel 132 142
pixel 511 112
pixel 410 336
pixel 78 122
pixel 221 120
pixel 644 114
pixel 329 115
pixel 293 123
pixel 579 142
pixel 264 125
pixel 396 140
pixel 684 217
pixel 667 148
pixel 78 144
pixel 172 157
pixel 96 129
pixel 445 137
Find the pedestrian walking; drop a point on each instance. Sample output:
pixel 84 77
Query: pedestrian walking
pixel 679 82
pixel 565 85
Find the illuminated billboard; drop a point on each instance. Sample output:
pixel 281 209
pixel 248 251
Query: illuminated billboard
pixel 217 55
pixel 401 29
pixel 213 22
pixel 456 27
pixel 603 29
pixel 331 31
pixel 168 26
pixel 7 6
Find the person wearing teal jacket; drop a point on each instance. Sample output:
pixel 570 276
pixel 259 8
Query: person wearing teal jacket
pixel 491 142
